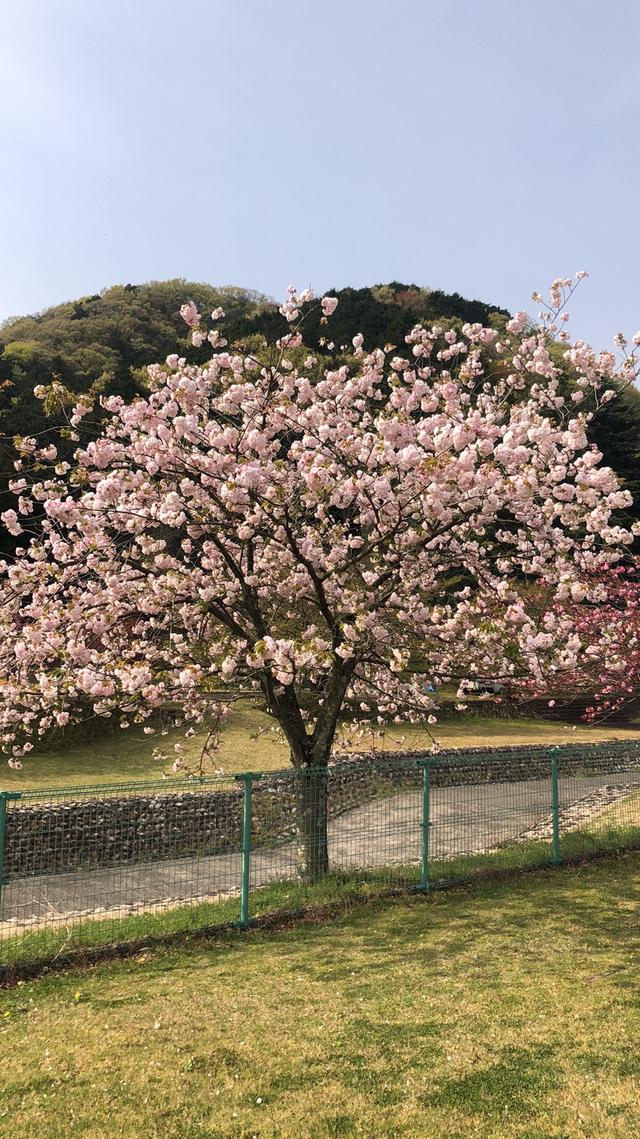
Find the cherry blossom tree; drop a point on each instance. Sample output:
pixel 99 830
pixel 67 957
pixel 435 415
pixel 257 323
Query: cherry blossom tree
pixel 319 528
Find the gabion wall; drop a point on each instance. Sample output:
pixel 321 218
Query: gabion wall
pixel 107 830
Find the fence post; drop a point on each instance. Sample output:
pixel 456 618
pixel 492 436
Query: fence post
pixel 246 778
pixel 425 764
pixel 5 796
pixel 556 856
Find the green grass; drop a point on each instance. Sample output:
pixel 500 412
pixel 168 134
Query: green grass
pixel 249 743
pixel 622 813
pixel 507 1010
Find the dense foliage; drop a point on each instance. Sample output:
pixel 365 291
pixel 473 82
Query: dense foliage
pixel 605 615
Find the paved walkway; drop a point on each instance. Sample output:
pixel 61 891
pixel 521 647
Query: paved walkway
pixel 387 832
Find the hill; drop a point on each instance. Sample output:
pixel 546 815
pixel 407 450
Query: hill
pixel 111 336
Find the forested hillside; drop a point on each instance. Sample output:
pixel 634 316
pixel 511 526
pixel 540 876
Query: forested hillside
pixel 113 335
pixel 109 338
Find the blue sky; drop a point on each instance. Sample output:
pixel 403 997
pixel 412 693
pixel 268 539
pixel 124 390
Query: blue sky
pixel 483 146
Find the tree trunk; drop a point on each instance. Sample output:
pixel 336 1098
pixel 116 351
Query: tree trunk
pixel 310 758
pixel 312 808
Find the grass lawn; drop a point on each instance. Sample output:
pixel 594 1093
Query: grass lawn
pixel 502 1010
pixel 249 743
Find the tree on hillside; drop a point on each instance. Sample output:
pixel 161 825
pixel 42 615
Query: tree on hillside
pixel 285 522
pixel 385 314
pixel 106 340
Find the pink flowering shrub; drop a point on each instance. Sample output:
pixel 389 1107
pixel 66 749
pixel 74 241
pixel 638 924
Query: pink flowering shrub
pixel 602 613
pixel 311 528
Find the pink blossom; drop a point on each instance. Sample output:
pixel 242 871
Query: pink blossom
pixel 10 520
pixel 518 322
pixel 190 314
pixel 329 305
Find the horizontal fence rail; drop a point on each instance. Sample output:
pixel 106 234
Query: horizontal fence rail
pixel 110 865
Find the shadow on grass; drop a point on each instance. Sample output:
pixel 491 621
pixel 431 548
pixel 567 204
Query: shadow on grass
pixel 521 1079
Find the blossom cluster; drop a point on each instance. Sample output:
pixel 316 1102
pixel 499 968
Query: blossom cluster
pixel 602 615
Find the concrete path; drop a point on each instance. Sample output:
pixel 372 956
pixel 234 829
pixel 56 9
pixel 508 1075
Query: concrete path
pixel 387 832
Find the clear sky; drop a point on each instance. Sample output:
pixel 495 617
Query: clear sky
pixel 479 146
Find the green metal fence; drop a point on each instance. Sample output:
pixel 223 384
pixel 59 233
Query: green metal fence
pixel 91 866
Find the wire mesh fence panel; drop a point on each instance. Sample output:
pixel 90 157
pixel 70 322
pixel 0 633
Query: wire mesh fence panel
pixel 113 864
pixel 346 819
pixel 375 823
pixel 274 836
pixel 599 798
pixel 498 811
pixel 485 813
pixel 114 854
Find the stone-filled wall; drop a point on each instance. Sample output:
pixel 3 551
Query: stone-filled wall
pixel 45 838
pixel 123 829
